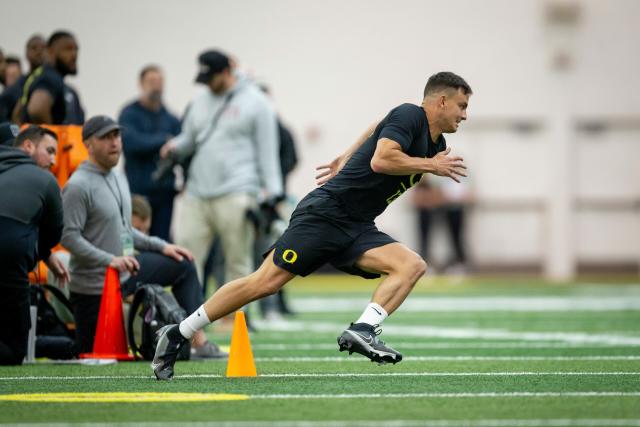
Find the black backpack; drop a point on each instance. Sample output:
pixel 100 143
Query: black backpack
pixel 54 339
pixel 154 308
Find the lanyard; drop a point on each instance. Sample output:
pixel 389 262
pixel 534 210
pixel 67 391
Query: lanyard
pixel 118 199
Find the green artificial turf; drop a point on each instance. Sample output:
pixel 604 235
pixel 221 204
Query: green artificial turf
pixel 543 367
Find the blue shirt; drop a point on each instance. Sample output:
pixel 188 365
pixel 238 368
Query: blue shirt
pixel 143 133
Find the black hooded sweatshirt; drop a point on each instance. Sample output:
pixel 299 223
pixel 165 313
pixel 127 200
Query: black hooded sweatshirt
pixel 30 216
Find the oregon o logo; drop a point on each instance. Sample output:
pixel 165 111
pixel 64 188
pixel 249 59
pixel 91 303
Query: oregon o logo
pixel 289 256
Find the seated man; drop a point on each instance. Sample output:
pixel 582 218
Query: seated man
pixel 98 234
pixel 140 214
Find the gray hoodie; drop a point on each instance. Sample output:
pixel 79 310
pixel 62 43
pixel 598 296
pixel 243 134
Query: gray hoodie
pixel 241 153
pixel 95 205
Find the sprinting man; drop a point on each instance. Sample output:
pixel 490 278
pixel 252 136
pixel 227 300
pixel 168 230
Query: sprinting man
pixel 335 223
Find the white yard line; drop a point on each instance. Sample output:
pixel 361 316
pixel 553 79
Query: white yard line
pixel 561 422
pixel 447 345
pixel 334 375
pixel 477 303
pixel 447 358
pixel 390 329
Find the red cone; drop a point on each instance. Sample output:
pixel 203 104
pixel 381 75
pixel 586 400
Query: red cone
pixel 110 341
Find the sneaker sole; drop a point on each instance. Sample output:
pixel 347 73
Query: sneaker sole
pixel 354 344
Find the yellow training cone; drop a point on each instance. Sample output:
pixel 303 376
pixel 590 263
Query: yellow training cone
pixel 240 362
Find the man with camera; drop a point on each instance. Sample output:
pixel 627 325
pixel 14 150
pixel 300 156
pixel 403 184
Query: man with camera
pixel 231 132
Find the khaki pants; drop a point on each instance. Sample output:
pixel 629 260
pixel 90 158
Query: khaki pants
pixel 200 220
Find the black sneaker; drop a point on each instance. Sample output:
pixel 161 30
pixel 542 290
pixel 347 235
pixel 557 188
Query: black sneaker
pixel 170 341
pixel 362 338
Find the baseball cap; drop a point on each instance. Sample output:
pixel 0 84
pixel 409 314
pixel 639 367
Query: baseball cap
pixel 8 133
pixel 211 62
pixel 98 126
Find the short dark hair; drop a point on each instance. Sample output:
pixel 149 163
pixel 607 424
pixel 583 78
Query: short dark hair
pixel 149 68
pixel 12 60
pixel 35 134
pixel 446 79
pixel 35 37
pixel 58 35
pixel 140 207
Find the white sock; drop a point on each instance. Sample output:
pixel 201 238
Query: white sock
pixel 374 314
pixel 193 323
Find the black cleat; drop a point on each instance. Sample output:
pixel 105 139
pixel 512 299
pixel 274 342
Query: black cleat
pixel 170 341
pixel 362 338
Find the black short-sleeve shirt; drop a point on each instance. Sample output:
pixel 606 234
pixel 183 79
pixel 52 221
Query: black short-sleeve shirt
pixel 48 79
pixel 366 194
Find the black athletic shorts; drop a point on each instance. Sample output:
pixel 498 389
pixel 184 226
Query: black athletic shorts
pixel 321 231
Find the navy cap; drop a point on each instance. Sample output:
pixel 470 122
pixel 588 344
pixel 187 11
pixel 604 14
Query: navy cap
pixel 8 133
pixel 98 126
pixel 211 63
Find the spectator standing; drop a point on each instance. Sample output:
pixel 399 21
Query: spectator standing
pixel 232 132
pixel 435 198
pixel 13 70
pixel 146 126
pixel 35 51
pixel 45 97
pixel 98 234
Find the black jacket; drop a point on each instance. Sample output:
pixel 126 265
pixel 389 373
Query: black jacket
pixel 30 215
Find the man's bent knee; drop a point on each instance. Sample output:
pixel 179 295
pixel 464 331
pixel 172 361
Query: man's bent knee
pixel 419 267
pixel 412 267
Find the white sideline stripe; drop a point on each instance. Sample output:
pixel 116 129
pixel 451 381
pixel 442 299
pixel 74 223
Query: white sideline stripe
pixel 446 345
pixel 335 375
pixel 561 422
pixel 447 358
pixel 459 333
pixel 449 395
pixel 477 303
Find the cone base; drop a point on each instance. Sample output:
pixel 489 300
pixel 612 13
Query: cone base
pixel 254 374
pixel 117 356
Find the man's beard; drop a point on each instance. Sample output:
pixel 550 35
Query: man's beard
pixel 63 69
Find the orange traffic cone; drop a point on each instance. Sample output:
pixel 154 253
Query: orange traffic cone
pixel 110 341
pixel 240 362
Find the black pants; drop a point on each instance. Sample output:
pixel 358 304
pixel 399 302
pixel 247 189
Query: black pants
pixel 155 268
pixel 454 217
pixel 15 322
pixel 162 208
